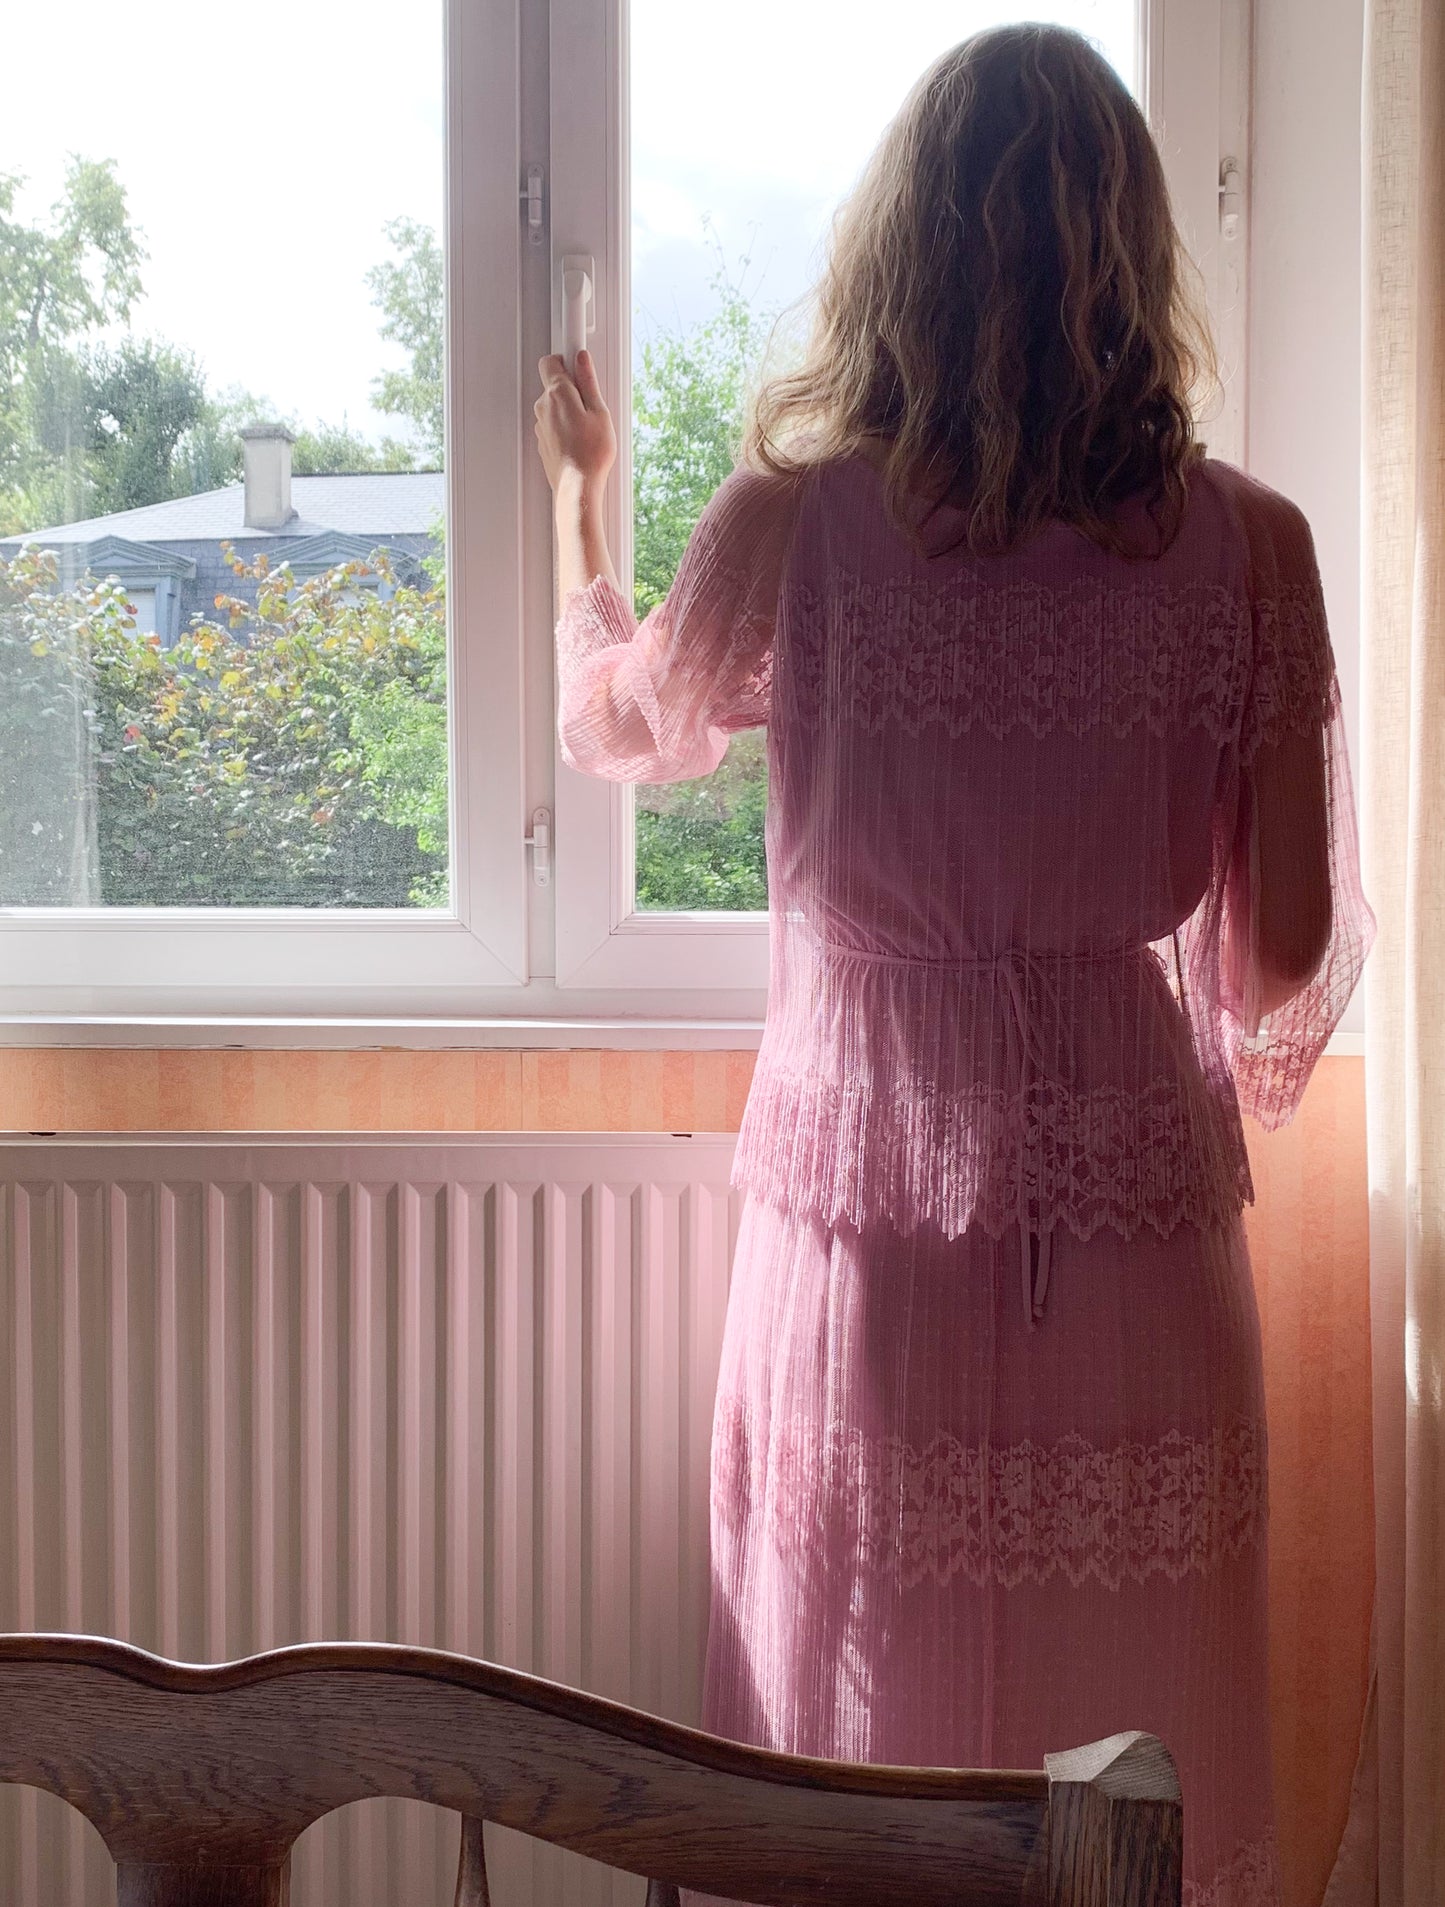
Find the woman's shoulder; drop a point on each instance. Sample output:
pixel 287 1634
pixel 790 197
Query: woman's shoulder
pixel 754 485
pixel 1274 530
pixel 751 510
pixel 752 502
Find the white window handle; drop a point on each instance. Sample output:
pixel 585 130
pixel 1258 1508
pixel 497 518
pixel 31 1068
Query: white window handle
pixel 579 306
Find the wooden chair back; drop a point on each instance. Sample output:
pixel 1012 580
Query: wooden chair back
pixel 200 1780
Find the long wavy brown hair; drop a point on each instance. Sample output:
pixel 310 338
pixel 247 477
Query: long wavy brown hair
pixel 1006 316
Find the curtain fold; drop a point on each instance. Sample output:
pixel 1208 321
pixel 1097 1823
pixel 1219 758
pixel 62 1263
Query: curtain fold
pixel 1393 1850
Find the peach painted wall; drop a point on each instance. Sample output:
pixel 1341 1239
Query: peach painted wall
pixel 1308 1237
pixel 201 1090
pixel 1309 1241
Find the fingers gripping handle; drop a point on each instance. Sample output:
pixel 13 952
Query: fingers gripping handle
pixel 579 306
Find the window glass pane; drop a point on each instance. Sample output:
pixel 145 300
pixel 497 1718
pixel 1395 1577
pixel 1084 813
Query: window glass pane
pixel 222 593
pixel 743 142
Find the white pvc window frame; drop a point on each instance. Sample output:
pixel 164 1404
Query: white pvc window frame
pixel 602 940
pixel 518 961
pixel 224 961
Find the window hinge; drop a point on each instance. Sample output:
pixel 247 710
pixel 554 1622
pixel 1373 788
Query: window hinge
pixel 531 197
pixel 1231 198
pixel 540 842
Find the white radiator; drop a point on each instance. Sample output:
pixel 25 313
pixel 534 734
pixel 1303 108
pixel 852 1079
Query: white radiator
pixel 438 1390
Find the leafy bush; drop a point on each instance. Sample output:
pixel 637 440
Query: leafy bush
pixel 700 843
pixel 288 755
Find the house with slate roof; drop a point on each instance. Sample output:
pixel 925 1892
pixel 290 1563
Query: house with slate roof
pixel 168 555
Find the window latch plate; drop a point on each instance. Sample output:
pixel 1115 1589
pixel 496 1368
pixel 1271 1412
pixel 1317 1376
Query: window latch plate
pixel 540 842
pixel 1231 198
pixel 531 196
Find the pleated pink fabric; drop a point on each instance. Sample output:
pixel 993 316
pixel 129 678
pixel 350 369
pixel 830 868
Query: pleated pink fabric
pixel 989 1462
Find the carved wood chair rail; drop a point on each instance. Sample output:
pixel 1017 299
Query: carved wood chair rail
pixel 200 1780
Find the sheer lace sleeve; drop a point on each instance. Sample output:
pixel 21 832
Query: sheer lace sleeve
pixel 1293 923
pixel 657 702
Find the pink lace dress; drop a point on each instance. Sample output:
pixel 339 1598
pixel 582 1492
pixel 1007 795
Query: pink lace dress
pixel 989 1469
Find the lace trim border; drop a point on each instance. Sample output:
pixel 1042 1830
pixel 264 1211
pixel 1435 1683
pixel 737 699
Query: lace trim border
pixel 1086 655
pixel 1006 1514
pixel 1112 1158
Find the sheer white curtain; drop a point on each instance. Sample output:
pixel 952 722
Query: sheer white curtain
pixel 1393 1852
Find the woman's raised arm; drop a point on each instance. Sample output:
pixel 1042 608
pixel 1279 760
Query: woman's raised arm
pixel 658 701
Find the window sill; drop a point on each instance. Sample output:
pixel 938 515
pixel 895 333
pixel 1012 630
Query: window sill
pixel 374 1034
pixel 358 1034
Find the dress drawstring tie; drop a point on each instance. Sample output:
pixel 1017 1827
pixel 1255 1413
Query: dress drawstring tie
pixel 1020 971
pixel 1024 975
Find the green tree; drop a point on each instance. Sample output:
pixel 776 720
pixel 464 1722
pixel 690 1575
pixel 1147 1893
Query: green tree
pixel 210 453
pixel 50 460
pixel 408 290
pixel 324 448
pixel 140 401
pixel 699 844
pixel 688 399
pixel 60 281
pixel 87 431
pixel 79 271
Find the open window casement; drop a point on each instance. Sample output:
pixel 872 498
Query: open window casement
pixel 649 129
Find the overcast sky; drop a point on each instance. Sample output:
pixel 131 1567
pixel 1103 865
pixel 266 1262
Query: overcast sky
pixel 264 150
pixel 766 124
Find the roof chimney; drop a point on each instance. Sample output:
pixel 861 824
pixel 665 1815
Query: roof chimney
pixel 268 476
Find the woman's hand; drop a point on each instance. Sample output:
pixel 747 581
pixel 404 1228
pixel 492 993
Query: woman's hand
pixel 578 446
pixel 574 426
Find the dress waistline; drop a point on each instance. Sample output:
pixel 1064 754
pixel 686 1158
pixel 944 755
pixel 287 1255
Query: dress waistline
pixel 1006 957
pixel 1022 971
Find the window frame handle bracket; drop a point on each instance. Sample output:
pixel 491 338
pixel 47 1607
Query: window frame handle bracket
pixel 539 841
pixel 531 197
pixel 1231 199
